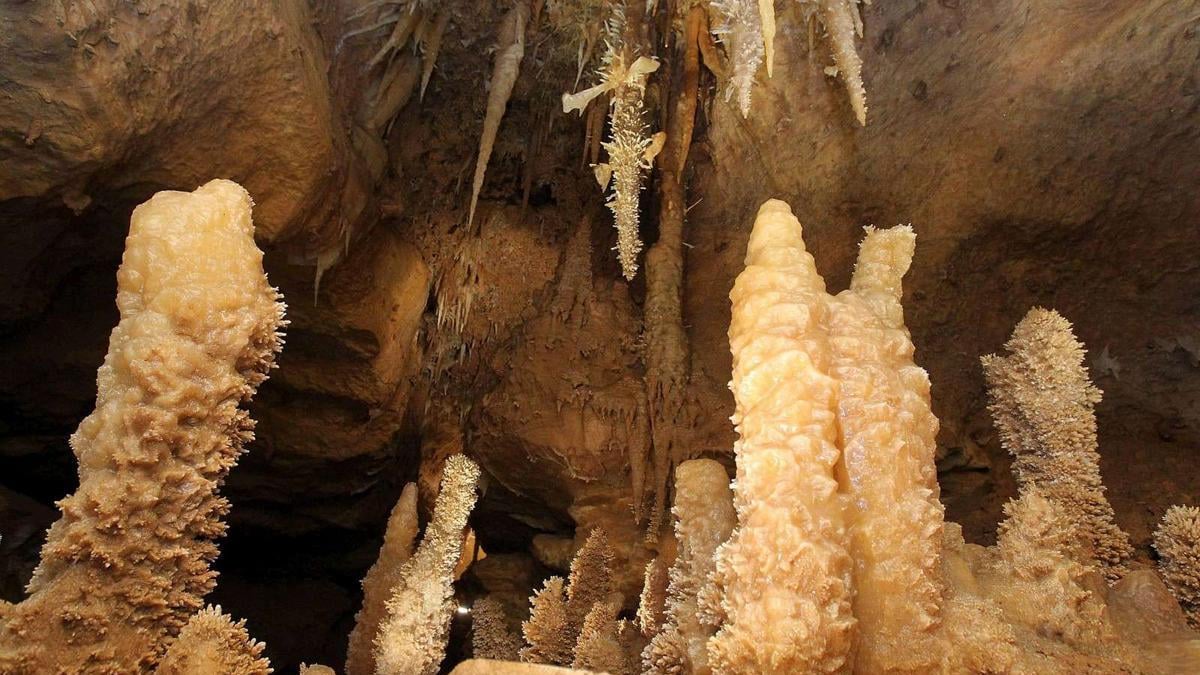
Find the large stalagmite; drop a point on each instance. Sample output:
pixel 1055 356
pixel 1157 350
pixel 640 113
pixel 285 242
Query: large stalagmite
pixel 786 571
pixel 887 437
pixel 128 562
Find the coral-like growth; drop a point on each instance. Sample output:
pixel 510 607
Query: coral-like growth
pixel 653 599
pixel 624 74
pixel 786 570
pixel 490 636
pixel 316 669
pixel 1044 407
pixel 598 647
pixel 547 631
pixel 1177 541
pixel 213 642
pixel 128 563
pixel 412 639
pixel 704 519
pixel 509 53
pixel 1038 559
pixel 591 579
pixel 742 32
pixel 380 580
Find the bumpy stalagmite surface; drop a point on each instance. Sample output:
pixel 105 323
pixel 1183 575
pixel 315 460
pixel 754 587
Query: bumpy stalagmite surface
pixel 547 631
pixel 786 571
pixel 591 579
pixel 213 642
pixel 598 647
pixel 1177 541
pixel 704 519
pixel 128 562
pixel 412 639
pixel 1044 408
pixel 887 433
pixel 490 636
pixel 380 580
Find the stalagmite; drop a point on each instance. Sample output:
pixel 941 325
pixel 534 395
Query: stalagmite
pixel 547 631
pixel 128 563
pixel 380 580
pixel 786 571
pixel 213 642
pixel 1177 541
pixel 704 519
pixel 591 578
pixel 598 647
pixel 887 436
pixel 1044 407
pixel 412 639
pixel 510 51
pixel 490 636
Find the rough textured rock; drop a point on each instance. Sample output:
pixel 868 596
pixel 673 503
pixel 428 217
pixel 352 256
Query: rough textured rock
pixel 1043 154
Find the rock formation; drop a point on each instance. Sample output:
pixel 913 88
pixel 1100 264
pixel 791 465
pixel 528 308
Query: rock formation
pixel 128 562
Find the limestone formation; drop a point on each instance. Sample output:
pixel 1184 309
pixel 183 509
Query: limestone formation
pixel 412 637
pixel 1044 407
pixel 380 580
pixel 127 564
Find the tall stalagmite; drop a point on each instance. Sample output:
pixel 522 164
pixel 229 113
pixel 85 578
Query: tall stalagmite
pixel 128 562
pixel 380 580
pixel 887 436
pixel 1044 407
pixel 786 571
pixel 412 638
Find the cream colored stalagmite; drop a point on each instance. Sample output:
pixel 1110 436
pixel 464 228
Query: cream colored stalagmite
pixel 786 571
pixel 127 564
pixel 383 576
pixel 704 519
pixel 888 445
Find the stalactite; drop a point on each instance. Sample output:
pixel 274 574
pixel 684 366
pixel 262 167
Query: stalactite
pixel 624 75
pixel 842 23
pixel 509 53
pixel 412 638
pixel 667 353
pixel 1177 541
pixel 786 571
pixel 128 562
pixel 742 33
pixel 1044 407
pixel 213 642
pixel 888 441
pixel 383 576
pixel 431 47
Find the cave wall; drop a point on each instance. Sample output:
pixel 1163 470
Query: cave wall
pixel 1044 152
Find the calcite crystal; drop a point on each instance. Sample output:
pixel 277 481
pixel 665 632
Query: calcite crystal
pixel 128 563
